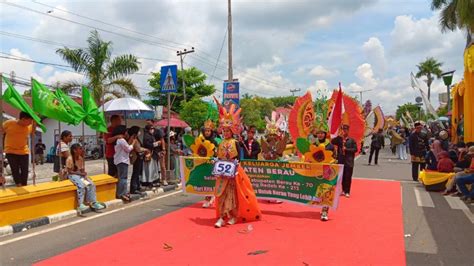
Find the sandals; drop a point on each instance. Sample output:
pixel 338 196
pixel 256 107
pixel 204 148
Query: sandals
pixel 126 198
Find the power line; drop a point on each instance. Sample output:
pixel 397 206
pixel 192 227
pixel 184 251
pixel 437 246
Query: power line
pixel 59 44
pixel 161 45
pixel 126 36
pixel 108 24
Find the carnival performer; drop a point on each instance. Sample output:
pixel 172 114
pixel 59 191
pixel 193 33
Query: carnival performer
pixel 419 145
pixel 321 139
pixel 274 143
pixel 235 198
pixel 207 133
pixel 251 145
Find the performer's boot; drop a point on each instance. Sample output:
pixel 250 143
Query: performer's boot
pixel 324 214
pixel 219 223
pixel 232 221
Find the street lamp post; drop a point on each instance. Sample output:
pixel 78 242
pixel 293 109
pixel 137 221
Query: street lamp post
pixel 448 79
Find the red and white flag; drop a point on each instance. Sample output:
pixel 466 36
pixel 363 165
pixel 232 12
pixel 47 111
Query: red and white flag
pixel 335 119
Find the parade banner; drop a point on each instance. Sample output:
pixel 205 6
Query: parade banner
pixel 312 184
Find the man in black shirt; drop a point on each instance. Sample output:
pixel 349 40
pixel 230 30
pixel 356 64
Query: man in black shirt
pixel 419 145
pixel 375 146
pixel 39 152
pixel 251 146
pixel 346 150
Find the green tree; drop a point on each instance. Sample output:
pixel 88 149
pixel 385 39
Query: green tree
pixel 106 75
pixel 195 87
pixel 415 111
pixel 194 112
pixel 430 68
pixel 456 14
pixel 255 109
pixel 283 101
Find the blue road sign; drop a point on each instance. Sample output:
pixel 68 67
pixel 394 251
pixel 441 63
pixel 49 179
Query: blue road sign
pixel 169 78
pixel 231 94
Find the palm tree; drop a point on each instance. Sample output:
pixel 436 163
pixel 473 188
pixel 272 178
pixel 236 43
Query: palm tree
pixel 106 75
pixel 429 68
pixel 456 14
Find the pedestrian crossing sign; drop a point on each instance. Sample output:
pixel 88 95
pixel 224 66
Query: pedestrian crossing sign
pixel 169 79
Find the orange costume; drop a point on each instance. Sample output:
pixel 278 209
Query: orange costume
pixel 235 198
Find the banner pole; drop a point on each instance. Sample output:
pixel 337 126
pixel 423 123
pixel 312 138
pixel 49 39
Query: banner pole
pixel 58 151
pixel 1 133
pixel 32 152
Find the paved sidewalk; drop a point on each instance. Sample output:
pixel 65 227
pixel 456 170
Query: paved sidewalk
pixel 44 173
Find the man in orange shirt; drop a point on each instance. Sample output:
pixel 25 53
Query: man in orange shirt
pixel 16 147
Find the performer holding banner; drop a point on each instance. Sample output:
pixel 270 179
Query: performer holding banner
pixel 235 197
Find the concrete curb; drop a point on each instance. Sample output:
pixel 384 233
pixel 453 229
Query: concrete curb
pixel 26 225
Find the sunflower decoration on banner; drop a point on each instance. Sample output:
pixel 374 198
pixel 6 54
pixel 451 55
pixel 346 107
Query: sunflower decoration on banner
pixel 202 147
pixel 302 120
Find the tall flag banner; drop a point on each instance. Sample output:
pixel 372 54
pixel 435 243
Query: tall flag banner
pixel 46 103
pixel 72 106
pixel 429 107
pixel 94 118
pixel 335 119
pixel 12 97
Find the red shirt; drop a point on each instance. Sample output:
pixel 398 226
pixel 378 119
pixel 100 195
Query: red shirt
pixel 109 147
pixel 445 165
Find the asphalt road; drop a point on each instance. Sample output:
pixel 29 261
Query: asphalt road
pixel 438 229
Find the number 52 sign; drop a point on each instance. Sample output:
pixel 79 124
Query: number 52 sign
pixel 224 168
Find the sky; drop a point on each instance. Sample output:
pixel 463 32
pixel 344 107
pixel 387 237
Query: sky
pixel 278 46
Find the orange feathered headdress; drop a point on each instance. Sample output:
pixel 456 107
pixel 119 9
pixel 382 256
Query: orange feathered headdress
pixel 229 118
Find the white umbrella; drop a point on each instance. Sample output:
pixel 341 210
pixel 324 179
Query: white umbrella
pixel 127 105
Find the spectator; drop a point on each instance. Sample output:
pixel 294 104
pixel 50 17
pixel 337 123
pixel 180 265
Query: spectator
pixel 418 143
pixel 402 147
pixel 443 137
pixel 150 165
pixel 110 139
pixel 376 145
pixel 431 158
pixel 159 153
pixel 460 169
pixel 78 176
pixel 122 159
pixel 445 164
pixel 251 146
pixel 467 196
pixel 39 152
pixel 62 153
pixel 136 159
pixel 346 149
pixel 16 147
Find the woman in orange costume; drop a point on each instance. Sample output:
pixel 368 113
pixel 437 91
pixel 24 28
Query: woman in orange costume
pixel 235 198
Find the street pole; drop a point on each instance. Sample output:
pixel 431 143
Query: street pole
pixel 360 94
pixel 180 54
pixel 229 40
pixel 168 153
pixel 449 99
pixel 293 91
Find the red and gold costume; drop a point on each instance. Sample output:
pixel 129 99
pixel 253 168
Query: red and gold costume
pixel 235 197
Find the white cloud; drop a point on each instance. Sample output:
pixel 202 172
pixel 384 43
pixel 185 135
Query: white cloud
pixel 46 70
pixel 322 72
pixel 63 76
pixel 375 53
pixel 365 74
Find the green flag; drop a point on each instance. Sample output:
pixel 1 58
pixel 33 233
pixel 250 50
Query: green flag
pixel 48 104
pixel 94 118
pixel 72 106
pixel 12 97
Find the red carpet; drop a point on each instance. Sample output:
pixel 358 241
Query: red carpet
pixel 367 229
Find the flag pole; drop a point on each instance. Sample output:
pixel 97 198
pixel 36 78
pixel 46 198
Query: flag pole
pixel 32 138
pixel 58 149
pixel 103 139
pixel 84 141
pixel 1 132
